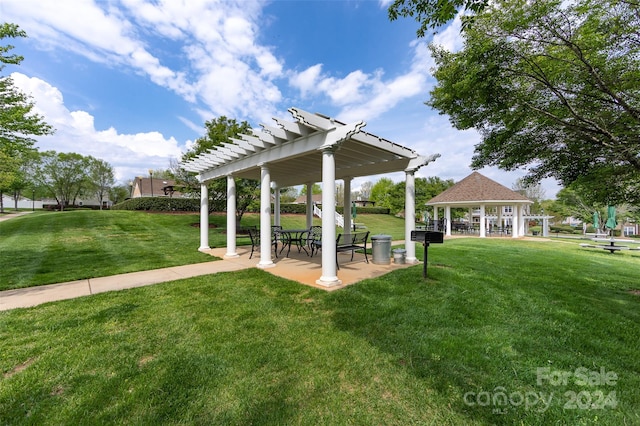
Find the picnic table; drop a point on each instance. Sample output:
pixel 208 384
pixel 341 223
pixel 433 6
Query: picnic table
pixel 611 246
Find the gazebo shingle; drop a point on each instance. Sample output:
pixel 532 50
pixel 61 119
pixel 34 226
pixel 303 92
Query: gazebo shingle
pixel 476 188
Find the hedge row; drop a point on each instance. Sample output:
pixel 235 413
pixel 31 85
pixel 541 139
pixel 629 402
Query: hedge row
pixel 193 205
pixel 160 204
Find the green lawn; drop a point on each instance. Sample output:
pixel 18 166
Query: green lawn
pixel 495 317
pixel 45 248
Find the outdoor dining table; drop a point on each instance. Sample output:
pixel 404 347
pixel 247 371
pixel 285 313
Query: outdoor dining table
pixel 612 247
pixel 297 236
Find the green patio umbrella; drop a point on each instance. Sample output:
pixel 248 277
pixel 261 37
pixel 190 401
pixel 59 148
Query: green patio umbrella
pixel 596 221
pixel 353 214
pixel 611 218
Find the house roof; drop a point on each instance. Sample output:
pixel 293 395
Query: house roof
pixel 293 152
pixel 315 198
pixel 477 189
pixel 142 187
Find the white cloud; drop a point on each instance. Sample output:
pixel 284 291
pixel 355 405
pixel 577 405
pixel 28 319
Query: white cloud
pixel 224 67
pixel 129 154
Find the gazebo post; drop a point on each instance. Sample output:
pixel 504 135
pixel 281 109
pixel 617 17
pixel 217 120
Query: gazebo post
pixel 515 224
pixel 521 230
pixel 204 217
pixel 435 218
pixel 447 215
pixel 265 218
pixel 231 218
pixel 483 225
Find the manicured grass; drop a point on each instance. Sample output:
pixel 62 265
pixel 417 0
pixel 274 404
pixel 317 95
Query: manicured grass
pixel 249 348
pixel 44 248
pixel 53 247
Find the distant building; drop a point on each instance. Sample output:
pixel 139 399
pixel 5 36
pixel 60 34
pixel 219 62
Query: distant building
pixel 365 203
pixel 315 199
pixel 148 187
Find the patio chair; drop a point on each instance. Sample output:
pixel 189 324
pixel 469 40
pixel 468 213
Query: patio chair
pixel 313 238
pixel 254 234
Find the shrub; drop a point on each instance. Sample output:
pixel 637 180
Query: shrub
pixel 159 204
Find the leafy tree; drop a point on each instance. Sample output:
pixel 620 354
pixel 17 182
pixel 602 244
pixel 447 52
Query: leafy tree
pixel 101 178
pixel 18 122
pixel 573 202
pixel 315 189
pixel 433 13
pixel 64 176
pixel 553 86
pixel 219 130
pixel 288 194
pixel 381 193
pixel 533 191
pixel 119 193
pixel 365 190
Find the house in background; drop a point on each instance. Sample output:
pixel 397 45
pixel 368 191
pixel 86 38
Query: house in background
pixel 315 199
pixel 364 203
pixel 154 187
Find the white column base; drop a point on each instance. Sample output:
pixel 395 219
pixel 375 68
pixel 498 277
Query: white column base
pixel 231 255
pixel 266 265
pixel 329 282
pixel 206 248
pixel 411 260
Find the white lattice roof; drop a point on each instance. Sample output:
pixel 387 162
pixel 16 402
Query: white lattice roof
pixel 293 152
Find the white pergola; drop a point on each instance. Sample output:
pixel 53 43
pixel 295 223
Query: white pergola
pixel 312 148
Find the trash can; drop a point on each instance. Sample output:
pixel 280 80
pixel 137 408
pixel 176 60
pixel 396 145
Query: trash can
pixel 381 249
pixel 399 256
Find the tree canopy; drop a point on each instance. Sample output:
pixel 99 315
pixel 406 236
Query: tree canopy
pixel 219 130
pixel 552 86
pixel 18 123
pixel 433 13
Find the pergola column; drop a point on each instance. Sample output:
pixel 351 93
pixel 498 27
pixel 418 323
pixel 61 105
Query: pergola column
pixel 447 216
pixel 276 204
pixel 329 269
pixel 204 217
pixel 483 225
pixel 265 218
pixel 347 204
pixel 410 215
pixel 309 204
pixel 231 218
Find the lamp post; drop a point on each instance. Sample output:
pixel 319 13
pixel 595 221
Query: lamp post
pixel 130 189
pixel 151 176
pixel 33 201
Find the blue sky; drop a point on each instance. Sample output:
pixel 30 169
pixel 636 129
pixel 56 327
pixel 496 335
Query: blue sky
pixel 132 81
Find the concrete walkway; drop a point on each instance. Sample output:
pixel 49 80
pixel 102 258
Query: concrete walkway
pixel 32 296
pixel 12 214
pixel 298 267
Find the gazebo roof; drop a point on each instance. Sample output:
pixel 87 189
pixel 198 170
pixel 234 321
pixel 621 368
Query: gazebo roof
pixel 293 152
pixel 477 189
